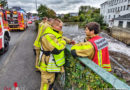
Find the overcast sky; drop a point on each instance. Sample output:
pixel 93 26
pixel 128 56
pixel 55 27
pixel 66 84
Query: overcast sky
pixel 59 6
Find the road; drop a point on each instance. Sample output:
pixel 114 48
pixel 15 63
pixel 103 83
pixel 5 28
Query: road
pixel 17 65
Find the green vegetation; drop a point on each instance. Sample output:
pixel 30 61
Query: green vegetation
pixel 4 3
pixel 44 11
pixel 86 14
pixel 80 77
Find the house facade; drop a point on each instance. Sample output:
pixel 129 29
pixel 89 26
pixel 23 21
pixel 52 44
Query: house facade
pixel 112 9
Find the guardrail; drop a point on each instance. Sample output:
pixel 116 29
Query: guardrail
pixel 106 76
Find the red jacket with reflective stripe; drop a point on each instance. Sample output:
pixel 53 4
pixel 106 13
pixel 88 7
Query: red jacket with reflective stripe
pixel 101 56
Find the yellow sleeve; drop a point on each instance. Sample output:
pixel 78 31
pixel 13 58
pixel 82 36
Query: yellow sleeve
pixel 67 39
pixel 83 49
pixel 52 43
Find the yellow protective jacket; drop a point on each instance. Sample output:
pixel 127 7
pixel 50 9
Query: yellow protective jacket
pixel 53 44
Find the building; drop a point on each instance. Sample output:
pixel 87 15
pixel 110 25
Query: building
pixel 122 21
pixel 112 9
pixel 60 15
pixel 73 14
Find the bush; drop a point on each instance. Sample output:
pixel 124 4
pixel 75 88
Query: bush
pixel 80 77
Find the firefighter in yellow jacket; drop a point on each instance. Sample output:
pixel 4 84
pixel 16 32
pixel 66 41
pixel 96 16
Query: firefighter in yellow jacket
pixel 52 57
pixel 42 26
pixel 95 47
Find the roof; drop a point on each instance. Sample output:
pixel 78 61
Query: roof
pixel 123 17
pixel 104 2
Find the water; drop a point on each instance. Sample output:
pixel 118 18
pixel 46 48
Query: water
pixel 73 32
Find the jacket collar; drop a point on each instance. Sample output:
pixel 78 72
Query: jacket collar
pixel 89 37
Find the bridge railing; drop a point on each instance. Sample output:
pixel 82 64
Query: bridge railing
pixel 82 74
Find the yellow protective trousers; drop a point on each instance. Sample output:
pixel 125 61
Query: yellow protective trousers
pixel 46 80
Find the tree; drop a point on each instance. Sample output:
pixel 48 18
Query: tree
pixel 66 16
pixel 82 17
pixel 44 11
pixel 51 13
pixel 4 4
pixel 84 9
pixel 75 18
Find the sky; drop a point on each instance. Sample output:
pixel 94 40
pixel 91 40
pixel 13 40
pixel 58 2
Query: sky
pixel 59 6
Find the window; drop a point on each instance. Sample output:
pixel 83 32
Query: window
pixel 114 16
pixel 118 8
pixel 124 8
pixel 117 1
pixel 109 16
pixel 114 2
pixel 120 24
pixel 127 7
pixel 121 8
pixel 128 24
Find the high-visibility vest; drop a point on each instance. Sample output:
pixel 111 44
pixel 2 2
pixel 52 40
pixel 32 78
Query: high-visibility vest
pixel 59 59
pixel 51 66
pixel 101 56
pixel 37 41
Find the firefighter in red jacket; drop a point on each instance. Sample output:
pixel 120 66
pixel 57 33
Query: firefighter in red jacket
pixel 95 47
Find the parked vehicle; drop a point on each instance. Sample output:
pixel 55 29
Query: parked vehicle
pixel 29 22
pixel 4 33
pixel 17 19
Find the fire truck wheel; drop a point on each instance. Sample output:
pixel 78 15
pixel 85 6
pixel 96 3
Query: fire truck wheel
pixel 1 51
pixel 6 43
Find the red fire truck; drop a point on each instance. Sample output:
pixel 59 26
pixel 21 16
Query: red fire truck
pixel 4 33
pixel 17 19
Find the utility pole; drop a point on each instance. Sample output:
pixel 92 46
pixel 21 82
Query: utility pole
pixel 36 4
pixel 7 3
